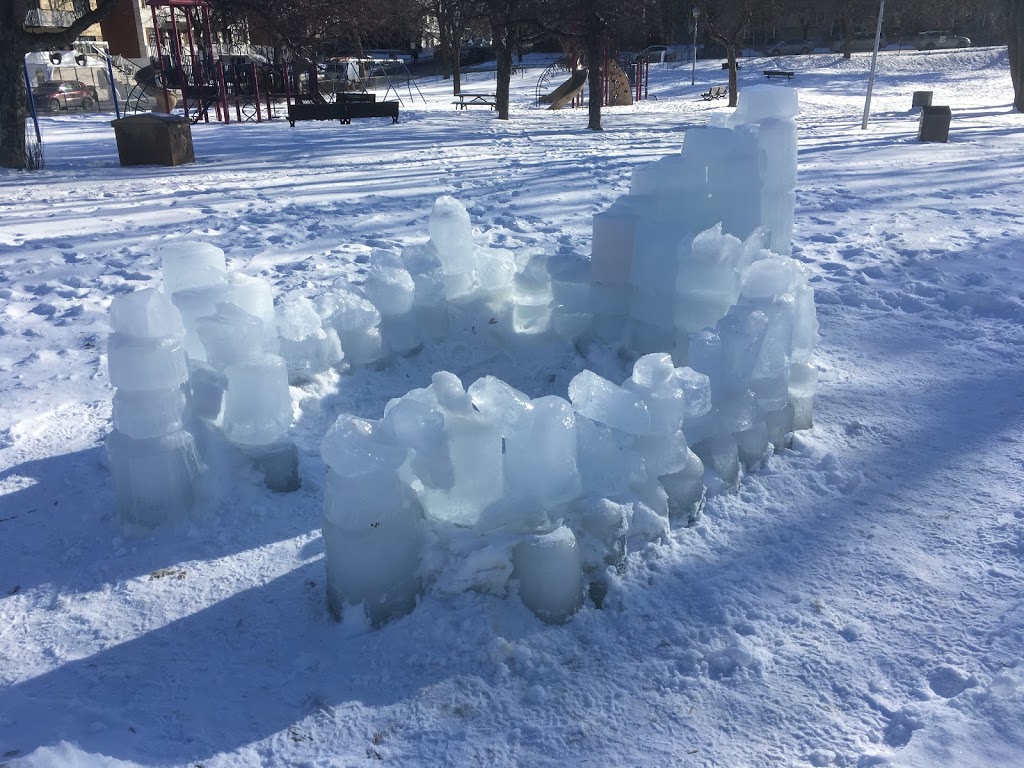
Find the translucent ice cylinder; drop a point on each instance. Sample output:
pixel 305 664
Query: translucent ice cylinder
pixel 190 264
pixel 803 381
pixel 194 303
pixel 475 450
pixel 777 210
pixel 540 456
pixel 153 477
pixel 763 102
pixel 531 297
pixel 230 336
pixel 720 454
pixel 356 321
pixel 143 415
pixel 685 490
pixel 389 287
pixel 372 545
pixel 139 364
pixel 550 575
pixel 777 142
pixel 653 379
pixel 147 314
pixel 451 234
pixel 256 296
pixel 257 404
pixel 354 446
pixel 363 346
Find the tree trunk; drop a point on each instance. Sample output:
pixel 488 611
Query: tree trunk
pixel 1015 44
pixel 730 54
pixel 593 46
pixel 14 44
pixel 13 100
pixel 503 52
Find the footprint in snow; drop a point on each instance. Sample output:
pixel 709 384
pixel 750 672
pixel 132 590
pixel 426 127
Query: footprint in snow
pixel 900 728
pixel 948 682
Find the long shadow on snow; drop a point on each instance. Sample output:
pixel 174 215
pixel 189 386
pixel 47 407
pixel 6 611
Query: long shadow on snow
pixel 223 677
pixel 71 539
pixel 249 666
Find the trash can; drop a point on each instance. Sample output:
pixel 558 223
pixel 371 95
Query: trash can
pixel 934 125
pixel 154 138
pixel 921 99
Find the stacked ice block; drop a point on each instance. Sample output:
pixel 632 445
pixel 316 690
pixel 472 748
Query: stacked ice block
pixel 152 456
pixel 371 522
pixel 563 487
pixel 666 258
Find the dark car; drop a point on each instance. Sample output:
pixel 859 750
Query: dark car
pixel 55 95
pixel 789 47
pixel 862 42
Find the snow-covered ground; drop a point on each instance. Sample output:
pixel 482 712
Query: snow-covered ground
pixel 858 602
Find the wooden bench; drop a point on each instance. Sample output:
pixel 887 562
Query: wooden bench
pixel 716 92
pixel 725 65
pixel 345 109
pixel 770 73
pixel 464 100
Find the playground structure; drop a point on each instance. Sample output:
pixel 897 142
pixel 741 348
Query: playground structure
pixel 622 82
pixel 210 88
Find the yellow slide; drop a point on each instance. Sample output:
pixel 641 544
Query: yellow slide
pixel 565 93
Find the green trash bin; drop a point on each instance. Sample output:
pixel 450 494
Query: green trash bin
pixel 154 138
pixel 921 99
pixel 934 124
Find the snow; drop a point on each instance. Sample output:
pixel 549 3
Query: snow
pixel 858 601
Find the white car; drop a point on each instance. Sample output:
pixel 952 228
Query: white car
pixel 927 41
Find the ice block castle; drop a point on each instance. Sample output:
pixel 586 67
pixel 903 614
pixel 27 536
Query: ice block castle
pixel 484 487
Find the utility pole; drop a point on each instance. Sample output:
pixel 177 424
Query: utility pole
pixel 874 59
pixel 693 70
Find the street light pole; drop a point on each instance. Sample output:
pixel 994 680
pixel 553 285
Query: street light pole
pixel 693 70
pixel 874 58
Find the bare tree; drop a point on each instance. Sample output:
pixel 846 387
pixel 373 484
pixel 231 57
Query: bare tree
pixel 511 24
pixel 453 18
pixel 727 22
pixel 592 25
pixel 22 31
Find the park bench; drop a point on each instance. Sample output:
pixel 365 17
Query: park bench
pixel 345 109
pixel 725 65
pixel 464 100
pixel 716 92
pixel 770 73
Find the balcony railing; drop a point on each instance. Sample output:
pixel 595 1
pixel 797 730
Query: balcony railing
pixel 49 19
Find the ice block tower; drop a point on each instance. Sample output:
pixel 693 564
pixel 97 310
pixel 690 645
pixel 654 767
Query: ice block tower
pixel 152 456
pixel 666 258
pixel 257 410
pixel 195 278
pixel 773 109
pixel 451 236
pixel 371 522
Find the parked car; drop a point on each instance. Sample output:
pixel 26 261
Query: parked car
pixel 927 41
pixel 862 41
pixel 56 95
pixel 789 47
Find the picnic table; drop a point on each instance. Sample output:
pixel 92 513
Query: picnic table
pixel 770 73
pixel 464 100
